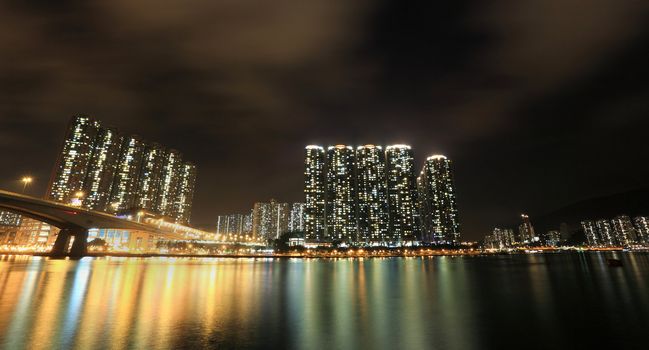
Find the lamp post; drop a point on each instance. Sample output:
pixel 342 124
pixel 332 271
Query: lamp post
pixel 26 180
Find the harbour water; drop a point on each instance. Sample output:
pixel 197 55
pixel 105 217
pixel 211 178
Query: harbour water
pixel 537 301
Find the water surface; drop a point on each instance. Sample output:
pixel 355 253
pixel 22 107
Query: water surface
pixel 491 302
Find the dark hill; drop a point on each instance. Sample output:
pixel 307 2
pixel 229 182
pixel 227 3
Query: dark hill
pixel 632 203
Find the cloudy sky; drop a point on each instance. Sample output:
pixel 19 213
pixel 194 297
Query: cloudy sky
pixel 540 103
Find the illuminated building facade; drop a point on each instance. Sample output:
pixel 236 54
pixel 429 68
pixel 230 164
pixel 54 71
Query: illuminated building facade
pixel 605 234
pixel 185 193
pixel 270 220
pixel 124 192
pixel 340 209
pixel 234 224
pixel 8 218
pixel 169 185
pixel 591 233
pixel 35 233
pixel 9 224
pixel 642 229
pixel 296 219
pixel 438 206
pixel 100 174
pixel 373 211
pixel 71 166
pixel 102 170
pixel 552 238
pixel 371 196
pixel 402 193
pixel 623 230
pixel 526 232
pixel 247 224
pixel 314 190
pixel 150 179
pixel 500 239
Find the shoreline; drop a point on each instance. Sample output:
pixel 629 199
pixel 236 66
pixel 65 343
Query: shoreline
pixel 319 255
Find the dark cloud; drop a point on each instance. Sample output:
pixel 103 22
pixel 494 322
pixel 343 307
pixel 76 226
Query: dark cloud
pixel 540 102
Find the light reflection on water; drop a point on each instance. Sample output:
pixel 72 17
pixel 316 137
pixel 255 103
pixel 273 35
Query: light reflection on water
pixel 564 300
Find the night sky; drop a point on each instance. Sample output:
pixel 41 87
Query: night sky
pixel 540 103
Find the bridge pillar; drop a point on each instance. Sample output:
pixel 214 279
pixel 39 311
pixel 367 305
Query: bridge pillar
pixel 60 247
pixel 79 246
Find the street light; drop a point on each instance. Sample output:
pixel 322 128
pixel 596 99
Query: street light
pixel 26 180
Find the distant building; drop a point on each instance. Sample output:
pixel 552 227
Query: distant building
pixel 35 234
pixel 526 230
pixel 99 169
pixel 9 224
pixel 232 224
pixel 439 214
pixel 270 220
pixel 314 191
pixel 591 232
pixel 552 238
pixel 373 210
pixel 247 223
pixel 8 218
pixel 605 234
pixel 296 220
pixel 341 194
pixel 501 238
pixel 402 193
pixel 182 209
pixel 624 230
pixel 642 229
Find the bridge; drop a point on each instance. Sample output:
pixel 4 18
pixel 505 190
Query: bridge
pixel 72 221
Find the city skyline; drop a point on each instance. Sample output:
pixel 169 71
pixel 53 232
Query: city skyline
pixel 450 80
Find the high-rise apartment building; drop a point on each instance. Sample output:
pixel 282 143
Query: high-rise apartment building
pixel 124 193
pixel 247 224
pixel 591 232
pixel 296 219
pixel 373 210
pixel 105 171
pixel 170 179
pixel 314 190
pixel 642 229
pixel 340 206
pixel 150 179
pixel 502 238
pixel 605 234
pixel 371 196
pixel 270 220
pixel 623 230
pixel 402 193
pixel 72 165
pixel 526 232
pixel 239 224
pixel 185 194
pixel 98 182
pixel 438 207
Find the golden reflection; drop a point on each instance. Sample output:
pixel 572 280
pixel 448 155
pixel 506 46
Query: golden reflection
pixel 338 303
